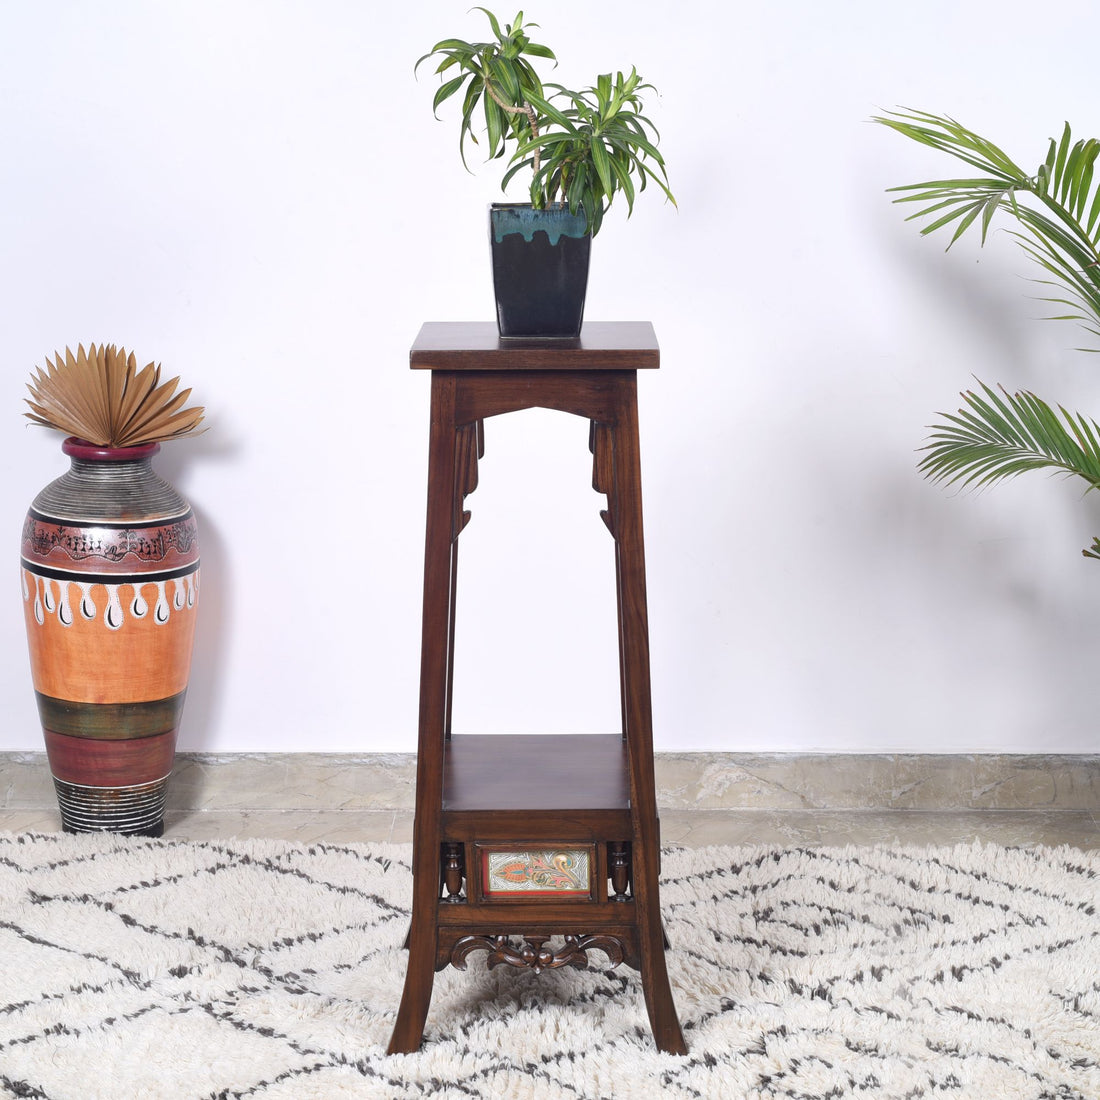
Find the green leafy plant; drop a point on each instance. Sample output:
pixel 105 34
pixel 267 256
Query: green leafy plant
pixel 495 76
pixel 998 435
pixel 582 148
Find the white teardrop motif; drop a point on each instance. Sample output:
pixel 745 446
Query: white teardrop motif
pixel 162 610
pixel 112 616
pixel 138 607
pixel 87 604
pixel 64 611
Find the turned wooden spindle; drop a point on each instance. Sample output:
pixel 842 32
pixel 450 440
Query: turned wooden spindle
pixel 453 872
pixel 620 870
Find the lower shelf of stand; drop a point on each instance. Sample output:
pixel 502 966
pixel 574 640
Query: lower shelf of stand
pixel 536 772
pixel 566 787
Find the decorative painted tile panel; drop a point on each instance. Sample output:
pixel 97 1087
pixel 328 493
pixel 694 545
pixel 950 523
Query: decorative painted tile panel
pixel 564 872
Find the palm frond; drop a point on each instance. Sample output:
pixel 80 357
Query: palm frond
pixel 100 396
pixel 998 435
pixel 1057 207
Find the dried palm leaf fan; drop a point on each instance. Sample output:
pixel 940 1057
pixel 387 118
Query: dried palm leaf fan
pixel 101 397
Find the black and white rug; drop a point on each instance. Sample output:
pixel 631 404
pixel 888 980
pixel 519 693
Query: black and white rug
pixel 175 970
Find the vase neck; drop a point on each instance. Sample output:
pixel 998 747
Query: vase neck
pixel 93 452
pixel 109 485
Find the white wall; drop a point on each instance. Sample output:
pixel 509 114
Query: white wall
pixel 256 195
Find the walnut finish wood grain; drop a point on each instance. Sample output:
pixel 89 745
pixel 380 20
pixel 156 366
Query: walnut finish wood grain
pixel 540 791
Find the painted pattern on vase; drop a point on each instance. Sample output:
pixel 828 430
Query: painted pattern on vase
pixel 110 573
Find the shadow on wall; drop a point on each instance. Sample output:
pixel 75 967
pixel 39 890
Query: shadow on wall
pixel 842 597
pixel 209 662
pixel 952 590
pixel 976 297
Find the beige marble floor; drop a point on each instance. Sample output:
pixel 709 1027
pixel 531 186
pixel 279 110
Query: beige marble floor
pixel 693 828
pixel 704 799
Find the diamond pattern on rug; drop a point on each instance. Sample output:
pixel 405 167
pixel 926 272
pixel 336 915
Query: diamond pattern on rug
pixel 168 970
pixel 142 1050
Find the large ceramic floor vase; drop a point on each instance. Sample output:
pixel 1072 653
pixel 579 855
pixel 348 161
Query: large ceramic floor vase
pixel 110 568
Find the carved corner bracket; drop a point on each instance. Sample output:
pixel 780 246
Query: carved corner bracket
pixel 533 954
pixel 469 447
pixel 603 467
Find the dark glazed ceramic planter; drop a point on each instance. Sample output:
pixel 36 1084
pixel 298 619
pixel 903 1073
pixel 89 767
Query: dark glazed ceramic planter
pixel 110 568
pixel 540 269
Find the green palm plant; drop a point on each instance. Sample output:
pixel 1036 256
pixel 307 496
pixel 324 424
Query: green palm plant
pixel 582 148
pixel 1057 211
pixel 1000 435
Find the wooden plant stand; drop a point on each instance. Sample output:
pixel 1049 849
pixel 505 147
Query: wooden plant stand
pixel 527 838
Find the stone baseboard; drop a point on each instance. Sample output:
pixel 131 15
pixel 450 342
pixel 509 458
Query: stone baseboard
pixel 685 781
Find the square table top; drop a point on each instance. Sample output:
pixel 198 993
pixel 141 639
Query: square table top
pixel 477 345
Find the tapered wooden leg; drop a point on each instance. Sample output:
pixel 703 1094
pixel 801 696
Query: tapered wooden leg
pixel 435 656
pixel 408 1031
pixel 469 447
pixel 600 443
pixel 634 635
pixel 451 643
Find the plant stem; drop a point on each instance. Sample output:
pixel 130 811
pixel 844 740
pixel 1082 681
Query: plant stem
pixel 525 109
